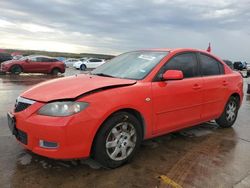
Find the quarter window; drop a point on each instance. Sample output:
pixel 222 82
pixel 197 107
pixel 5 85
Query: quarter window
pixel 47 60
pixel 186 63
pixel 210 66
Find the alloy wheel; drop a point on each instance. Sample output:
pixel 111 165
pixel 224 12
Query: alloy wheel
pixel 231 111
pixel 121 141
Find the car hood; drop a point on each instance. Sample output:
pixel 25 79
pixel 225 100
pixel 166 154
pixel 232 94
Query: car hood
pixel 71 87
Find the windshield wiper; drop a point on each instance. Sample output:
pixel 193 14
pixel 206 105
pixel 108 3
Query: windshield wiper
pixel 105 75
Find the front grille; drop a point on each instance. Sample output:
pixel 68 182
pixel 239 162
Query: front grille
pixel 22 137
pixel 20 106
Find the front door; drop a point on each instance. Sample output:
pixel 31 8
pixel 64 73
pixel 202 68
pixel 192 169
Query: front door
pixel 178 103
pixel 30 65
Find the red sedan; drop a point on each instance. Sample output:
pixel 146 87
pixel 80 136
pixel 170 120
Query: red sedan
pixel 34 64
pixel 135 96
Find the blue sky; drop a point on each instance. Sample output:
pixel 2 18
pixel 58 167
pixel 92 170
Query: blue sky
pixel 113 27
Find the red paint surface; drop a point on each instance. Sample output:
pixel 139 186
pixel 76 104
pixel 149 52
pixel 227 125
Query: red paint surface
pixel 174 105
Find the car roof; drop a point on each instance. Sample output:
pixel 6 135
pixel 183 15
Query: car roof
pixel 40 56
pixel 72 59
pixel 175 50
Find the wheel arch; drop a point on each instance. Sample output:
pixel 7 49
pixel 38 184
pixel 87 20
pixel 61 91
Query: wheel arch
pixel 132 111
pixel 15 65
pixel 83 64
pixel 236 95
pixel 138 116
pixel 55 68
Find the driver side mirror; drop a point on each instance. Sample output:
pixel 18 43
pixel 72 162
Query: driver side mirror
pixel 27 60
pixel 173 75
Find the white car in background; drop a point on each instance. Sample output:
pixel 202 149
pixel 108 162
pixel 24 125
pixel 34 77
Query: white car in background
pixel 70 62
pixel 91 63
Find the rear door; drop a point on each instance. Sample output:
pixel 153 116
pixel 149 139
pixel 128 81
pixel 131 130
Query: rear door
pixel 214 86
pixel 40 65
pixel 178 103
pixel 45 64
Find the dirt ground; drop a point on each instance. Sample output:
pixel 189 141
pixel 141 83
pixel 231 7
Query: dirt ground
pixel 202 156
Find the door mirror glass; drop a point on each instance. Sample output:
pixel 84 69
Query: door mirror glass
pixel 172 75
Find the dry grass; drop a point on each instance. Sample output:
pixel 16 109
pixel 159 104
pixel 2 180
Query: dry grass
pixel 60 54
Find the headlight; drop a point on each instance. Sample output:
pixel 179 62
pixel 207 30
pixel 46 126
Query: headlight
pixel 64 108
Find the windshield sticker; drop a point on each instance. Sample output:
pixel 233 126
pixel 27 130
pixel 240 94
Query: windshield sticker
pixel 147 57
pixel 141 70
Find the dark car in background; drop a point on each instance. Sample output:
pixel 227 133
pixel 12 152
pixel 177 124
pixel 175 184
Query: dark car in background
pixel 5 57
pixel 33 64
pixel 238 65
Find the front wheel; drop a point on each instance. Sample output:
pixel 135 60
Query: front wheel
pixel 83 67
pixel 118 140
pixel 229 114
pixel 16 69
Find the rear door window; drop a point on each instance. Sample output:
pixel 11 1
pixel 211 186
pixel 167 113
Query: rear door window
pixel 95 60
pixel 210 66
pixel 41 59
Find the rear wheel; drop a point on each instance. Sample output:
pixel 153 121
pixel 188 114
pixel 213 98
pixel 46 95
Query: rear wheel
pixel 83 67
pixel 55 71
pixel 229 114
pixel 118 140
pixel 16 69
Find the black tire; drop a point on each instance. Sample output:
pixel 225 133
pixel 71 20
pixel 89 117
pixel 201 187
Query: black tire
pixel 16 69
pixel 101 153
pixel 83 67
pixel 228 117
pixel 55 71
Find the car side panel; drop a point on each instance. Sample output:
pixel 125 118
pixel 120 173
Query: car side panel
pixel 235 86
pixel 93 64
pixel 45 66
pixel 214 93
pixel 176 104
pixel 105 103
pixel 28 66
pixel 49 66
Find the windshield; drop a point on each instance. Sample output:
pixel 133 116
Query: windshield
pixel 132 65
pixel 24 58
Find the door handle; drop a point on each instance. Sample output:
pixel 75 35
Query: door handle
pixel 196 86
pixel 224 83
